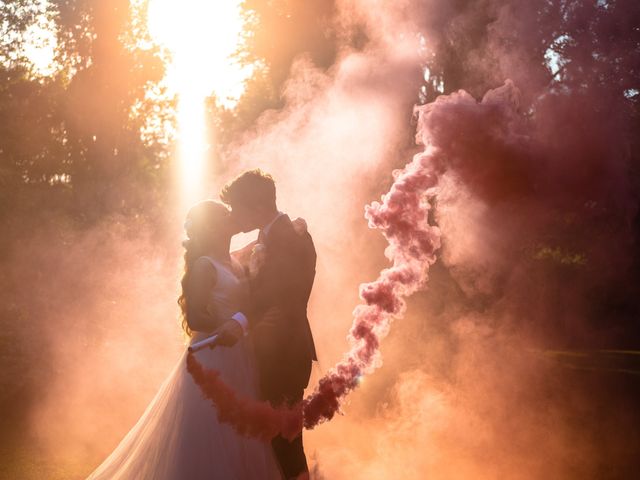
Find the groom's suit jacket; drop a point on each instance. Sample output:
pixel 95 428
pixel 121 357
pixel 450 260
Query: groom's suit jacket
pixel 283 343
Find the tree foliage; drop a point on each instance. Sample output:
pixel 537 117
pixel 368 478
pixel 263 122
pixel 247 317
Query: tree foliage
pixel 71 142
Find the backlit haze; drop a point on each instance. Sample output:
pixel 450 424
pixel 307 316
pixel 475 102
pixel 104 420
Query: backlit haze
pixel 202 37
pixel 519 361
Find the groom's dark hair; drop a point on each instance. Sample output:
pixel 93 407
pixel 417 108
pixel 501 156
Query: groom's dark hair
pixel 252 188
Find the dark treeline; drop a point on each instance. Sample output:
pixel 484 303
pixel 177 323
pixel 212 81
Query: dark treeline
pixel 74 137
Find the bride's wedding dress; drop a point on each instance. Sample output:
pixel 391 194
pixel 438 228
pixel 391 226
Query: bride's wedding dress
pixel 179 437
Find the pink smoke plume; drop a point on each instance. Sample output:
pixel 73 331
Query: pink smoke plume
pixel 403 218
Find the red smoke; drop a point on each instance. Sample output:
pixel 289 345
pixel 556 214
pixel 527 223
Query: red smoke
pixel 403 218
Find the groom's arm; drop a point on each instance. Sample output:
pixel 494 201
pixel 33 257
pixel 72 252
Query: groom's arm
pixel 283 286
pixel 283 282
pixel 274 280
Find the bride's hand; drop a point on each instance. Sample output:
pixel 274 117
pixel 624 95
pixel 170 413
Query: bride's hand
pixel 300 225
pixel 243 254
pixel 228 333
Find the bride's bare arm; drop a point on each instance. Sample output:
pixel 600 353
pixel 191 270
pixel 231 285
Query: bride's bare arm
pixel 202 278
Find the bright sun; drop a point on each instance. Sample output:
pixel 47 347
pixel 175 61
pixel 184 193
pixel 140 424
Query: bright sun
pixel 202 36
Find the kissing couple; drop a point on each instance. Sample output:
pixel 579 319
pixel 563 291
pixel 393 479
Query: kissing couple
pixel 255 300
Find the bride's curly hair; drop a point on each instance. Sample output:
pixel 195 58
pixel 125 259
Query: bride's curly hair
pixel 202 216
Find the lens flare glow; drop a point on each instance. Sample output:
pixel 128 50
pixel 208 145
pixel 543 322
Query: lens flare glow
pixel 202 36
pixel 38 41
pixel 40 48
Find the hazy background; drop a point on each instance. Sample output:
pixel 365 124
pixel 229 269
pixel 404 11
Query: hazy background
pixel 522 358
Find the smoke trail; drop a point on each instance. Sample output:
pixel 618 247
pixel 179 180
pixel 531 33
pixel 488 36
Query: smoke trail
pixel 249 417
pixel 403 218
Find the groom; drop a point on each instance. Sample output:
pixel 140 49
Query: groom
pixel 277 316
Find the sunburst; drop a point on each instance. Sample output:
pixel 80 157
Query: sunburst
pixel 202 36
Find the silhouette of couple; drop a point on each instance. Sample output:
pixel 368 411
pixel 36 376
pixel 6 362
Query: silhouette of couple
pixel 255 299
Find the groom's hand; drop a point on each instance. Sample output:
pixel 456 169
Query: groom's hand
pixel 228 333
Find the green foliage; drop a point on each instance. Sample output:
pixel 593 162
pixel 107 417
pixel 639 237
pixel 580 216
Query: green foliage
pixel 72 142
pixel 560 256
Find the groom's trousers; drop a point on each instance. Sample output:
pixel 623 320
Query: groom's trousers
pixel 286 385
pixel 290 454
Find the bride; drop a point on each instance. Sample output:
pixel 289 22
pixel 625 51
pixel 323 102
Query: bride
pixel 178 436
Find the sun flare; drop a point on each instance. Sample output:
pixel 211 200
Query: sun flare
pixel 202 36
